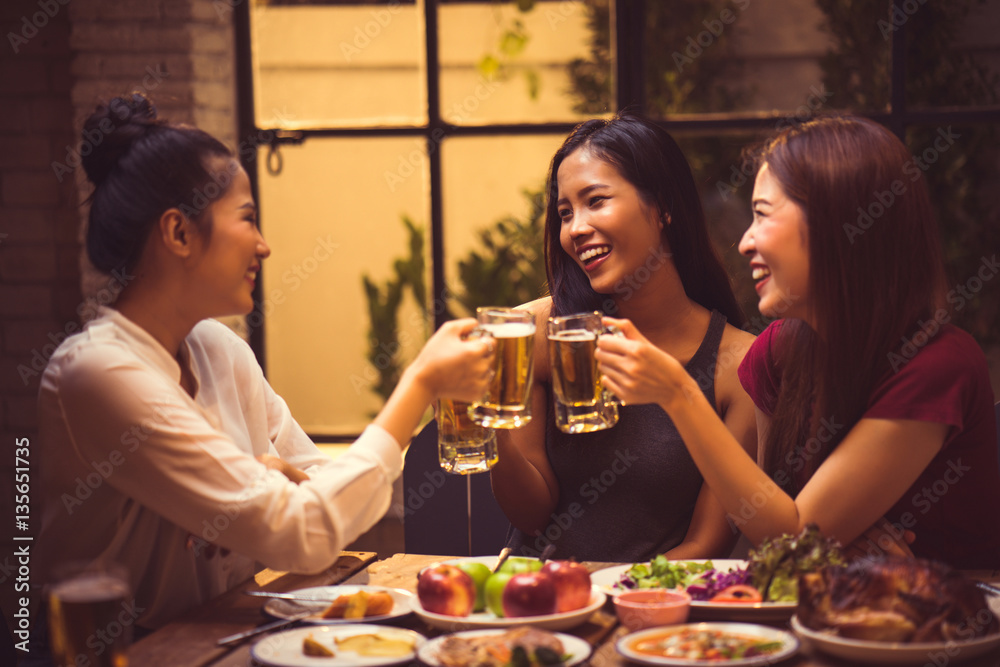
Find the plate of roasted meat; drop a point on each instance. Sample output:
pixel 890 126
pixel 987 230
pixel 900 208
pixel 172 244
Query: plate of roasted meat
pixel 895 611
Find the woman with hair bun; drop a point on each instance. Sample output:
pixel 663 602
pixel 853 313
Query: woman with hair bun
pixel 870 404
pixel 164 447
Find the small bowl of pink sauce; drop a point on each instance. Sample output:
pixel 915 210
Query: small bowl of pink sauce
pixel 652 607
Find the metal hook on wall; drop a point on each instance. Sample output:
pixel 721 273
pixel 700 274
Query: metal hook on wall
pixel 275 161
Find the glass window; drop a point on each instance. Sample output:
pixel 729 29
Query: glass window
pixel 506 83
pixel 774 56
pixel 952 53
pixel 333 217
pixel 962 166
pixel 726 184
pixel 321 65
pixel 500 64
pixel 494 219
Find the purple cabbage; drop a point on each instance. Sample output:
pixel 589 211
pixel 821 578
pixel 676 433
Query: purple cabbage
pixel 711 582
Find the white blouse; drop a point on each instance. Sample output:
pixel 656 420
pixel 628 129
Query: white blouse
pixel 132 466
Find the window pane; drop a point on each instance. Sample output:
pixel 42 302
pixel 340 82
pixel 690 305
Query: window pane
pixel 334 214
pixel 332 66
pixel 962 168
pixel 953 53
pixel 478 195
pixel 725 185
pixel 783 56
pixel 502 65
pixel 494 185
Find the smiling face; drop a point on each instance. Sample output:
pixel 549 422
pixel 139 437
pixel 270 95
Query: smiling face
pixel 777 244
pixel 605 226
pixel 228 260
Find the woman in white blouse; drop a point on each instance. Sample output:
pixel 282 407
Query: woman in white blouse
pixel 163 446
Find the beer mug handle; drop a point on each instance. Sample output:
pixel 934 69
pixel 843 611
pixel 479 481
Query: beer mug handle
pixel 476 334
pixel 610 330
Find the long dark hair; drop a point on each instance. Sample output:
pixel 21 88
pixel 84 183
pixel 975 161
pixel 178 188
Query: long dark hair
pixel 141 166
pixel 875 274
pixel 647 157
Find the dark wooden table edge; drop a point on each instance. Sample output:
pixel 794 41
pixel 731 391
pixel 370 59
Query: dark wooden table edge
pixel 204 621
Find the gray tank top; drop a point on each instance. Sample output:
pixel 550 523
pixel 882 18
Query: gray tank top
pixel 625 493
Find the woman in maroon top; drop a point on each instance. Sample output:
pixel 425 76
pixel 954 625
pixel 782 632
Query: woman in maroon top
pixel 870 404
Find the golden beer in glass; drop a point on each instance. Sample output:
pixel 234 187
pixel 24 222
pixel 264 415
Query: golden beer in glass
pixel 507 403
pixel 90 620
pixel 581 403
pixel 464 447
pixel 575 378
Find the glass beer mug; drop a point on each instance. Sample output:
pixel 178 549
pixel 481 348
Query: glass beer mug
pixel 507 403
pixel 464 447
pixel 90 621
pixel 582 404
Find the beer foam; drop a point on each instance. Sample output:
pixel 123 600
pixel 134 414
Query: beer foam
pixel 573 335
pixel 91 588
pixel 510 329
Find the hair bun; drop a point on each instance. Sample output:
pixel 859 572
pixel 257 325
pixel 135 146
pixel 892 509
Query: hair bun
pixel 111 131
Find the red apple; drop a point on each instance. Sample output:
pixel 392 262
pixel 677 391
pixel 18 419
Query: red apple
pixel 529 594
pixel 445 589
pixel 572 582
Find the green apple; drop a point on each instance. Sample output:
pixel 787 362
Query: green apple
pixel 494 591
pixel 517 565
pixel 479 573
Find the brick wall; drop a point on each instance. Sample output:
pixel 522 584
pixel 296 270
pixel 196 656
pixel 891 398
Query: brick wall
pixel 58 59
pixel 177 52
pixel 39 274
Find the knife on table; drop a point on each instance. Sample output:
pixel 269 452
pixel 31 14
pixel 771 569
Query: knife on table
pixel 267 627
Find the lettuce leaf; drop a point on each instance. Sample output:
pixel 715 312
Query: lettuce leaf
pixel 775 566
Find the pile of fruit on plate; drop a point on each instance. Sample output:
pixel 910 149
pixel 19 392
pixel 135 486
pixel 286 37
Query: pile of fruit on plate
pixel 520 587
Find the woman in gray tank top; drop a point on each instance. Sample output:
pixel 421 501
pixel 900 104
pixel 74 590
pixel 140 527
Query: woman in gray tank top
pixel 625 234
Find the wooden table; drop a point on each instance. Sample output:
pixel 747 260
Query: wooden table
pixel 191 642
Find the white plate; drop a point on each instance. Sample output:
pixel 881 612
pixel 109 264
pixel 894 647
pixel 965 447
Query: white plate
pixel 607 578
pixel 284 649
pixel 577 649
pixel 486 619
pixel 286 608
pixel 789 644
pixel 891 653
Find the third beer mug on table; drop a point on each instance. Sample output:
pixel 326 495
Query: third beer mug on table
pixel 90 615
pixel 582 404
pixel 507 403
pixel 464 447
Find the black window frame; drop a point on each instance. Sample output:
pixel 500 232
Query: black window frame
pixel 629 92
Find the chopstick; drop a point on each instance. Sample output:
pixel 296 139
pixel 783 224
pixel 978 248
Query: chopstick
pixel 501 558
